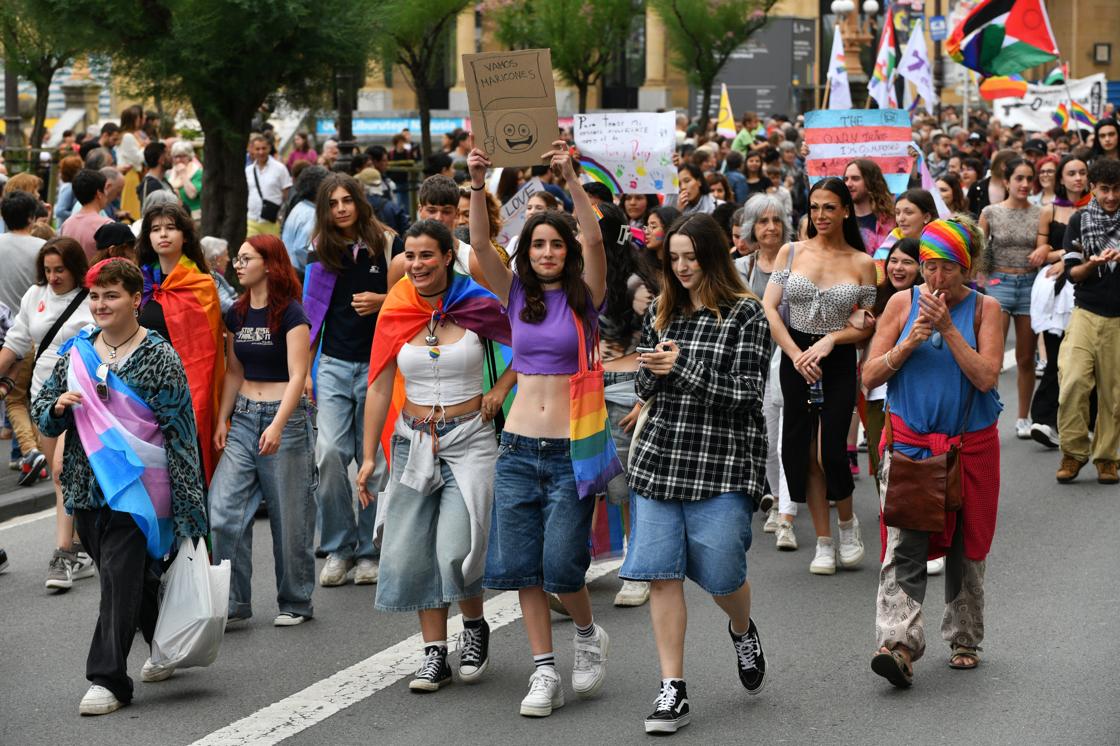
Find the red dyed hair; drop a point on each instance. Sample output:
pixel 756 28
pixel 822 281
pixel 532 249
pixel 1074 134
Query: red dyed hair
pixel 283 285
pixel 1038 167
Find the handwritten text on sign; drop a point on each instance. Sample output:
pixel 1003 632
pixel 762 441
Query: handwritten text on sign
pixel 513 211
pixel 633 150
pixel 837 137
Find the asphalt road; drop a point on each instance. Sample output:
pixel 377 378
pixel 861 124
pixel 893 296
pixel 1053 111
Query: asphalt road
pixel 1048 676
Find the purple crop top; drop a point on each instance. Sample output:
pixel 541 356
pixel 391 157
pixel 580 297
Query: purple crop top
pixel 552 346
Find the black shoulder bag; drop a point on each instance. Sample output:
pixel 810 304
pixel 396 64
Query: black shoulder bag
pixel 66 314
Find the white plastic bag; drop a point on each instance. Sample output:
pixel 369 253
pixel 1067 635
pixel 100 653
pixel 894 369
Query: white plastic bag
pixel 192 614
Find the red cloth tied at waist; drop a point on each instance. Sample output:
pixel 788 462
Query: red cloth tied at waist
pixel 979 460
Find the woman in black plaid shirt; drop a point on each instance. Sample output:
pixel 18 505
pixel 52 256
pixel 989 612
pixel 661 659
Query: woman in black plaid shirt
pixel 697 465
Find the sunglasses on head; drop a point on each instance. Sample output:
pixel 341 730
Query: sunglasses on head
pixel 102 385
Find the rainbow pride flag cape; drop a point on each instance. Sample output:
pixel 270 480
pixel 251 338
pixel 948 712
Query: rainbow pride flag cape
pixel 194 320
pixel 404 313
pixel 124 445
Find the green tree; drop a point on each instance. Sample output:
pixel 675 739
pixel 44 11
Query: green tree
pixel 702 35
pixel 224 58
pixel 34 48
pixel 582 34
pixel 413 34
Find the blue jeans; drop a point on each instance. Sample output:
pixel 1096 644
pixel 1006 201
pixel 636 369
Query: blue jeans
pixel 286 480
pixel 341 395
pixel 540 527
pixel 705 540
pixel 1012 291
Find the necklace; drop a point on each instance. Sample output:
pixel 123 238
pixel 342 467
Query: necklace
pixel 431 295
pixel 432 340
pixel 113 348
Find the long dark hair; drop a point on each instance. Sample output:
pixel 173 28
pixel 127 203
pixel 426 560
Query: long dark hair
pixel 329 242
pixel 1060 190
pixel 882 201
pixel 721 286
pixel 283 285
pixel 850 226
pixel 885 289
pixel 1098 151
pixel 958 202
pixel 571 277
pixel 146 254
pixel 621 265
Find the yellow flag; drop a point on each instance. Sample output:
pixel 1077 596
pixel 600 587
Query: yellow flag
pixel 725 122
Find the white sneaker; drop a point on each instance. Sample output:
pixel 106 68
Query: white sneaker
pixel 334 572
pixel 152 672
pixel 288 619
pixel 773 518
pixel 632 593
pixel 546 693
pixel 1045 435
pixel 851 545
pixel 366 572
pixel 590 667
pixel 99 701
pixel 787 540
pixel 1023 429
pixel 82 566
pixel 934 567
pixel 824 563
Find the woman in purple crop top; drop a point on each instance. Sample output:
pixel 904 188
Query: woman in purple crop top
pixel 539 529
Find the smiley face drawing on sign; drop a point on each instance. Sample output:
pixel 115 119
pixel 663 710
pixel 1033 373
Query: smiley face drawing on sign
pixel 515 132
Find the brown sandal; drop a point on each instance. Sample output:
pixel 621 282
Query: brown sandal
pixel 893 666
pixel 964 652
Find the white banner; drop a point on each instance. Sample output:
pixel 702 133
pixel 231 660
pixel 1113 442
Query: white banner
pixel 1034 111
pixel 513 212
pixel 631 152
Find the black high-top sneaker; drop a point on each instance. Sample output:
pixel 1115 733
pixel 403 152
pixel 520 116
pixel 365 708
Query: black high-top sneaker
pixel 670 709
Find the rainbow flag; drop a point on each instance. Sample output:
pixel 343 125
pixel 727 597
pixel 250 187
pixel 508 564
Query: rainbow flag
pixel 1061 117
pixel 1081 114
pixel 594 455
pixel 595 171
pixel 1003 86
pixel 609 524
pixel 124 444
pixel 194 320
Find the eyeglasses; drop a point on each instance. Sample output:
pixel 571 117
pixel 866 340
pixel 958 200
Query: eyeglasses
pixel 241 261
pixel 102 385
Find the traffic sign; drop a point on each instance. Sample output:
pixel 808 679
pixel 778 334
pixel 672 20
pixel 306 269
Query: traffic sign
pixel 938 29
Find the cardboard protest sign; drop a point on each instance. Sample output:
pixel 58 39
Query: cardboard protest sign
pixel 513 211
pixel 512 99
pixel 835 137
pixel 629 152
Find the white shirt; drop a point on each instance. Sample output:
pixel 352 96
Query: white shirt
pixel 274 179
pixel 17 256
pixel 38 310
pixel 463 258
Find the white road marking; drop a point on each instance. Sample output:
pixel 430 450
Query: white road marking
pixel 329 696
pixel 25 519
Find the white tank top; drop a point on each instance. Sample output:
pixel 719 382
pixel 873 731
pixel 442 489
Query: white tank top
pixel 452 376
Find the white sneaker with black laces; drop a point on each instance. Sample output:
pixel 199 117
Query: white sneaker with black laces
pixel 590 667
pixel 546 693
pixel 474 652
pixel 670 709
pixel 773 520
pixel 749 658
pixel 434 672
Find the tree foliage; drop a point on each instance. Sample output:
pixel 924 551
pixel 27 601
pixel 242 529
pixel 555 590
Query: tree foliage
pixel 702 35
pixel 225 57
pixel 582 34
pixel 411 33
pixel 34 48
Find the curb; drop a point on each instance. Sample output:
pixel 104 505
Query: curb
pixel 25 500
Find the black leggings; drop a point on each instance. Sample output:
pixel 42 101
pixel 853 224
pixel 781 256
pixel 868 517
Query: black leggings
pixel 834 416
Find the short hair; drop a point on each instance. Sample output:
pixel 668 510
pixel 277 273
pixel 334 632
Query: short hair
pixel 438 190
pixel 110 128
pixel 213 247
pixel 153 151
pixel 182 147
pixel 257 137
pixel 939 137
pixel 111 174
pixel 437 162
pixel 113 271
pixel 974 164
pixel 18 210
pixel 98 158
pixel 734 161
pixel 158 198
pixel 757 206
pixel 71 253
pixel 87 183
pixel 601 191
pixel 23 182
pixel 377 152
pixel 1105 172
pixel 67 167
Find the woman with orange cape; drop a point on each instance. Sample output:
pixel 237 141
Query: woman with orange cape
pixel 180 302
pixel 426 391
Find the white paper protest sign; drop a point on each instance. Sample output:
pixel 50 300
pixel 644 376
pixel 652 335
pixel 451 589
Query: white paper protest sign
pixel 513 211
pixel 632 153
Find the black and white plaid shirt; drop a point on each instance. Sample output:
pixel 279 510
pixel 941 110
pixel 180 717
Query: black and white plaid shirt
pixel 706 434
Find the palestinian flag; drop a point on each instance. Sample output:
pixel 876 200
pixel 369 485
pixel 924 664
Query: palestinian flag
pixel 1001 37
pixel 1057 76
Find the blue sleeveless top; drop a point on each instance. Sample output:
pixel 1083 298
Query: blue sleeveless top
pixel 930 392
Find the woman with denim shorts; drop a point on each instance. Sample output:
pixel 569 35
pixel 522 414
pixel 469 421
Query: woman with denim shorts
pixel 698 465
pixel 267 446
pixel 1011 226
pixel 540 526
pixel 434 517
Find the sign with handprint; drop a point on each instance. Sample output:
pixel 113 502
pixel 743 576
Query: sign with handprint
pixel 512 99
pixel 632 153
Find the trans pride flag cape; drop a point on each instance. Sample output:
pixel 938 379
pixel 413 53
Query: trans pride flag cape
pixel 124 445
pixel 194 320
pixel 404 313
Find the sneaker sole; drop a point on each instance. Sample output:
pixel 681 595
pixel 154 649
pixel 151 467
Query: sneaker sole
pixel 422 686
pixel 853 563
pixel 787 547
pixel 630 602
pixel 1023 435
pixel 668 726
pixel 288 621
pixel 3 565
pixel 161 676
pixel 99 709
pixel 1042 438
pixel 332 583
pixel 758 689
pixel 596 685
pixel 768 529
pixel 822 570
pixel 532 711
pixel 474 676
pixel 59 585
pixel 364 581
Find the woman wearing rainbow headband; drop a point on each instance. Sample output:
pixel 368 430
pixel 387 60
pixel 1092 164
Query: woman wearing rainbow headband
pixel 131 474
pixel 940 354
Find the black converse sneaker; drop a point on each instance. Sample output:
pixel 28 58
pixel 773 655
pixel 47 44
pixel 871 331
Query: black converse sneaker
pixel 474 652
pixel 749 658
pixel 434 671
pixel 670 709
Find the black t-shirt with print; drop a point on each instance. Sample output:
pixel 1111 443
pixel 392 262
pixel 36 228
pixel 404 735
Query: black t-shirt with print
pixel 347 335
pixel 262 354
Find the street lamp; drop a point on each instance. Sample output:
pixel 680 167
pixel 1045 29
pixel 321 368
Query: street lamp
pixel 842 7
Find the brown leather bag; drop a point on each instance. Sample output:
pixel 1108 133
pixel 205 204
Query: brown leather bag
pixel 920 492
